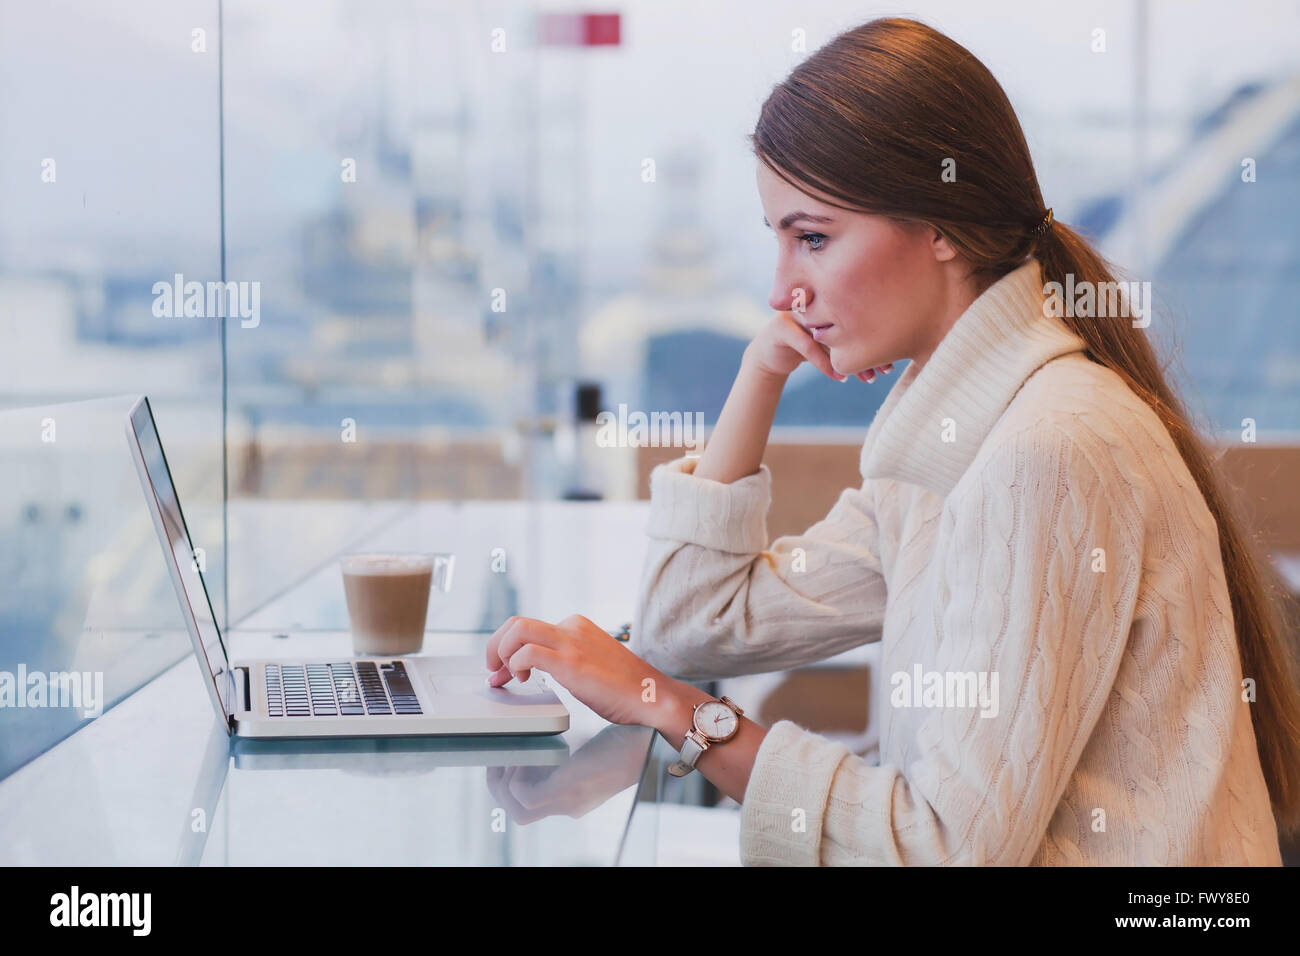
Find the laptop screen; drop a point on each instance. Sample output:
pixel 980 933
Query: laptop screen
pixel 179 552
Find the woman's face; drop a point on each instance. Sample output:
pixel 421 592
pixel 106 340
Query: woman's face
pixel 881 286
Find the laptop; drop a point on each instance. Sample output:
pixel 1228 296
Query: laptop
pixel 397 756
pixel 328 697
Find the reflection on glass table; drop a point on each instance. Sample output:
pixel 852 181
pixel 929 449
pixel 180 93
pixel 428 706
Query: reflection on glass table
pixel 565 799
pixel 429 802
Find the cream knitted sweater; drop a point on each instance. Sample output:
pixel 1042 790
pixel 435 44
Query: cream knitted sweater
pixel 1025 528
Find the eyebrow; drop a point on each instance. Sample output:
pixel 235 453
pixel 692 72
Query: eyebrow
pixel 792 218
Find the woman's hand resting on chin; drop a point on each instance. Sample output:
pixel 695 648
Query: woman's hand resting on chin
pixel 783 344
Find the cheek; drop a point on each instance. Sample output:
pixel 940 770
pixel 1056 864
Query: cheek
pixel 879 280
pixel 871 259
pixel 859 287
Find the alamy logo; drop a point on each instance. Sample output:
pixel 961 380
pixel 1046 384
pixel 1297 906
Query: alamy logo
pixel 84 690
pixel 656 429
pixel 102 909
pixel 1100 300
pixel 945 689
pixel 197 300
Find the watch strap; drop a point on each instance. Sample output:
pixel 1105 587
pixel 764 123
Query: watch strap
pixel 690 753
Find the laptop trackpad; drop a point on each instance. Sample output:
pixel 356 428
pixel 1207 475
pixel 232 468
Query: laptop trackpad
pixel 457 676
pixel 444 684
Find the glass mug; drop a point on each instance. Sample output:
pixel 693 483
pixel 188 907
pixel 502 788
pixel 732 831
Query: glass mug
pixel 388 598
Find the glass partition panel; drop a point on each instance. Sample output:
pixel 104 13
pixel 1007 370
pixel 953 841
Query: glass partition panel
pixel 110 191
pixel 87 612
pixel 376 182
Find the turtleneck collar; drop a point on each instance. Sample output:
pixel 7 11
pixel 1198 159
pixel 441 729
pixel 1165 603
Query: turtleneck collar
pixel 1002 338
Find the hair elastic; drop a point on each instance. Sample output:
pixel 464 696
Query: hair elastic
pixel 1045 225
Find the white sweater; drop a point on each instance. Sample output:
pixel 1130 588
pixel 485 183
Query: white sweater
pixel 1023 516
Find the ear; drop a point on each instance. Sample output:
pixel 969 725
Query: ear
pixel 943 250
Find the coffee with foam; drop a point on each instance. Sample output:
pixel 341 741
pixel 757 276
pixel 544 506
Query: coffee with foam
pixel 388 600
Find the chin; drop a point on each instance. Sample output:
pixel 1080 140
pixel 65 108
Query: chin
pixel 858 364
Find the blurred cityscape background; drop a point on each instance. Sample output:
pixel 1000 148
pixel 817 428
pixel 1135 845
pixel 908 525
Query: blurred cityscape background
pixel 445 208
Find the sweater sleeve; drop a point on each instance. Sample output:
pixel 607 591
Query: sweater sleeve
pixel 1022 595
pixel 716 601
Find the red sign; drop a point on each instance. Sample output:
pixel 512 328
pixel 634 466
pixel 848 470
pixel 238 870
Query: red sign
pixel 578 29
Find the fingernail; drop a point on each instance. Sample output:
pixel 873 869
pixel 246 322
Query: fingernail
pixel 841 378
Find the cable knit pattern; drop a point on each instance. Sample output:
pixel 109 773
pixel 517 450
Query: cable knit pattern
pixel 1022 516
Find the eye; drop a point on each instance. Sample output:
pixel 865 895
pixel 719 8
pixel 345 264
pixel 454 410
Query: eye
pixel 815 240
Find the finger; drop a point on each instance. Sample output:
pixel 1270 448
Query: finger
pixel 574 622
pixel 514 633
pixel 812 350
pixel 528 656
pixel 795 336
pixel 505 672
pixel 494 661
pixel 887 368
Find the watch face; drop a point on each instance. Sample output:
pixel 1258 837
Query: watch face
pixel 716 720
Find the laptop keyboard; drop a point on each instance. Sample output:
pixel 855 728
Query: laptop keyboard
pixel 345 689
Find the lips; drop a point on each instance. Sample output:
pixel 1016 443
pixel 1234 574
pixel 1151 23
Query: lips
pixel 818 331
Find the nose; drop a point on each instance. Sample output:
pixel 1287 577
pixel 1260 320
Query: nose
pixel 787 280
pixel 784 291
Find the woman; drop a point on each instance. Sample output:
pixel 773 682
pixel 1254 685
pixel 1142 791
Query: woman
pixel 1037 520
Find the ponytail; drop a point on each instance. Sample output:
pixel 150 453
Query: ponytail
pixel 1259 597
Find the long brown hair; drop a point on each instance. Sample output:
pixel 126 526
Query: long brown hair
pixel 872 120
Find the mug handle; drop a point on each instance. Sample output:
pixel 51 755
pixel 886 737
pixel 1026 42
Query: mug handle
pixel 443 565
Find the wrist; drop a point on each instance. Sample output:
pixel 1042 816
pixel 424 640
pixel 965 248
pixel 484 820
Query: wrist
pixel 760 373
pixel 677 714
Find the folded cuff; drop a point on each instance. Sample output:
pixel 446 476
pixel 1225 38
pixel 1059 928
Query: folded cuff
pixel 785 801
pixel 713 514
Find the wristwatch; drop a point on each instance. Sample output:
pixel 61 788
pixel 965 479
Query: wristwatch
pixel 714 722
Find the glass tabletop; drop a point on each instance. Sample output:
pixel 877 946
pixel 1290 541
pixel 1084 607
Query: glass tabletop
pixel 157 781
pixel 561 800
